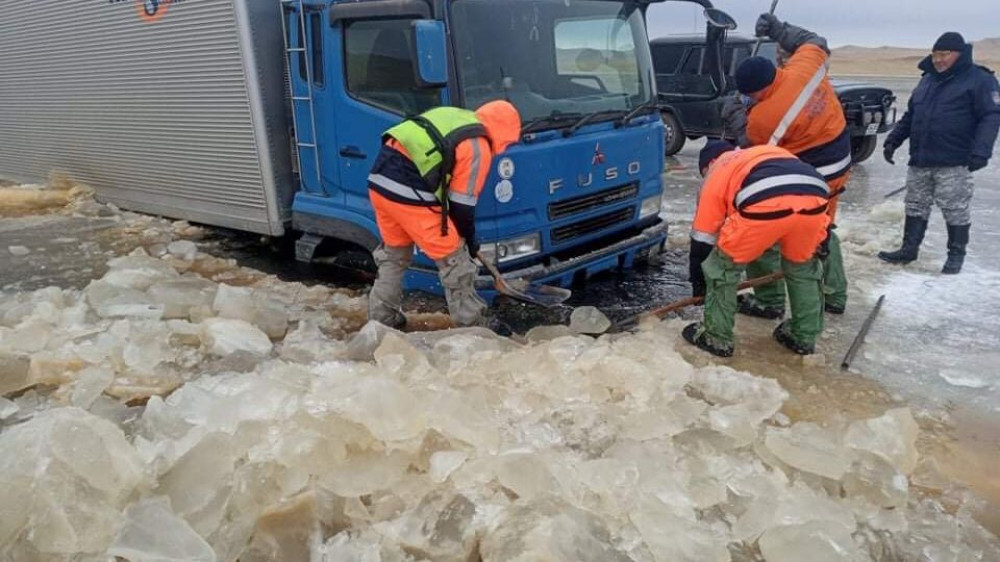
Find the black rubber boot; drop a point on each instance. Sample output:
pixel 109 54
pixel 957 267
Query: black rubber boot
pixel 701 341
pixel 749 306
pixel 958 239
pixel 913 236
pixel 785 338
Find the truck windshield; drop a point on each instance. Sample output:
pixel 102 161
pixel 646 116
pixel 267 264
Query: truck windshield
pixel 554 59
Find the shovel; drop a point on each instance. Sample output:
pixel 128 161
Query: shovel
pixel 633 321
pixel 522 290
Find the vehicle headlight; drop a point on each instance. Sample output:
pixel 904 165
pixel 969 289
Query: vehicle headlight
pixel 512 248
pixel 868 117
pixel 650 206
pixel 878 116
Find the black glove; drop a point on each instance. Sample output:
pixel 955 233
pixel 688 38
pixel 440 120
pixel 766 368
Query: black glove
pixel 887 151
pixel 699 253
pixel 765 24
pixel 977 163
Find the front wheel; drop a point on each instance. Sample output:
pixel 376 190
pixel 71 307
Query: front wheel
pixel 862 148
pixel 673 136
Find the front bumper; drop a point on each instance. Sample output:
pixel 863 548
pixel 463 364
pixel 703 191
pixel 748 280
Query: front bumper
pixel 622 254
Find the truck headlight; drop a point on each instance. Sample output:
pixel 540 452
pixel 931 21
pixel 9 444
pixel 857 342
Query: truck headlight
pixel 650 206
pixel 867 119
pixel 512 248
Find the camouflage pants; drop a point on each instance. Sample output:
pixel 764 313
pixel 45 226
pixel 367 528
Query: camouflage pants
pixel 950 188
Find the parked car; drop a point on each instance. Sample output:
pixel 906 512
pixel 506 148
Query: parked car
pixel 681 76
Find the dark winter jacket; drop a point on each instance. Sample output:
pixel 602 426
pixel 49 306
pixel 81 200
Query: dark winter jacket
pixel 952 116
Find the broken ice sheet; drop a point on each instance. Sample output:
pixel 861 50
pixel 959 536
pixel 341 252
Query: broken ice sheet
pixel 809 448
pixel 552 530
pixel 90 383
pixel 816 541
pixel 7 408
pixel 152 532
pixel 223 336
pixel 892 436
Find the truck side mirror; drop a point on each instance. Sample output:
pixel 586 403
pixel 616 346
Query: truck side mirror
pixel 432 53
pixel 718 23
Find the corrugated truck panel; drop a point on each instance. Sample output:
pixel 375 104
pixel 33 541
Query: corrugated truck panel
pixel 179 113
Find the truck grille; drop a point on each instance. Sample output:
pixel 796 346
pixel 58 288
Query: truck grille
pixel 591 225
pixel 592 201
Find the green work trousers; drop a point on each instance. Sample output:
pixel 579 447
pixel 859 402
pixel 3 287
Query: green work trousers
pixel 773 294
pixel 805 292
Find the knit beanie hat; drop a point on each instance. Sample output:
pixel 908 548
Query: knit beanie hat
pixel 951 41
pixel 754 74
pixel 713 149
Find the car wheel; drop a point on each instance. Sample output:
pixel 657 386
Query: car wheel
pixel 862 148
pixel 673 136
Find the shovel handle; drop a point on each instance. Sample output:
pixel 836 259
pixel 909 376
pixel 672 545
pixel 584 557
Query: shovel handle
pixel 498 280
pixel 690 301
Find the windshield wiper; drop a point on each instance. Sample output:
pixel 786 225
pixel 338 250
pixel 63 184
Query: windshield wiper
pixel 588 118
pixel 651 104
pixel 546 120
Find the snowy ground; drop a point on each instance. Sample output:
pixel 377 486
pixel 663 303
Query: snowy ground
pixel 168 404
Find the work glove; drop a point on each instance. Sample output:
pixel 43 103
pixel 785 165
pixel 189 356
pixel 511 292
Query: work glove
pixel 766 24
pixel 699 253
pixel 977 163
pixel 887 151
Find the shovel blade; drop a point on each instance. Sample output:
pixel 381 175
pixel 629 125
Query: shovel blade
pixel 542 295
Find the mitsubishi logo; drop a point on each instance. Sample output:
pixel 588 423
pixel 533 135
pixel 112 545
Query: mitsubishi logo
pixel 598 155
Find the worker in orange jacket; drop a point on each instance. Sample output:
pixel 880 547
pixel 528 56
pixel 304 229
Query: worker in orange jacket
pixel 753 200
pixel 795 107
pixel 424 187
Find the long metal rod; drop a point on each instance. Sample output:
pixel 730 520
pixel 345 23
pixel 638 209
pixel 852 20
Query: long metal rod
pixel 756 46
pixel 860 338
pixel 895 191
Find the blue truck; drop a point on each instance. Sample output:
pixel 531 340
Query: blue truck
pixel 210 125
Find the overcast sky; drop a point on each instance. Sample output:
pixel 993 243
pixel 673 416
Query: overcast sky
pixel 873 23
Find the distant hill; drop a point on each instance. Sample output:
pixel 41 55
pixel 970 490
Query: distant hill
pixel 899 61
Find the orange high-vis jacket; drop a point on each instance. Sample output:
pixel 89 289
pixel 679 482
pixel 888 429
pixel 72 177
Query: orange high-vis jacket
pixel 785 117
pixel 782 182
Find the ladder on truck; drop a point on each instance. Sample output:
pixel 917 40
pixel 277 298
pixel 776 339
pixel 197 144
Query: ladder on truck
pixel 286 7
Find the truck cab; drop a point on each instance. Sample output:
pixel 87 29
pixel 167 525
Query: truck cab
pixel 580 194
pixel 682 74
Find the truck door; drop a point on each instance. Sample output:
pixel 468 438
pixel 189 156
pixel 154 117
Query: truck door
pixel 380 89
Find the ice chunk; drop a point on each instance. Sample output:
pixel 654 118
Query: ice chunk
pixel 873 478
pixel 138 272
pixel 673 538
pixel 179 296
pixel 90 383
pixel 552 530
pixel 183 249
pixel 72 475
pixel 183 332
pixel 957 377
pixel 443 463
pixel 18 250
pixel 153 533
pixel 386 407
pixel 234 302
pixel 588 320
pixel 440 528
pixel 526 475
pixel 308 344
pixel 548 333
pixel 816 541
pixel 892 437
pixel 287 531
pixel 8 408
pixel 364 343
pixel 134 311
pixel 200 482
pixel 809 448
pixel 223 336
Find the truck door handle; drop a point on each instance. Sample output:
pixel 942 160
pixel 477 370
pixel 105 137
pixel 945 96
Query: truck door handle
pixel 352 152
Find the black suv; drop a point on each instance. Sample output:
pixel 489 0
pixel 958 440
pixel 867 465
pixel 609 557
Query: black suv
pixel 681 77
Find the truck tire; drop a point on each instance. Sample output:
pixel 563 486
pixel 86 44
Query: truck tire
pixel 673 135
pixel 862 148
